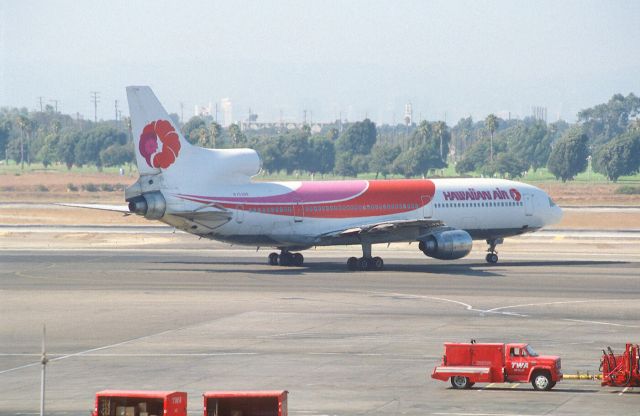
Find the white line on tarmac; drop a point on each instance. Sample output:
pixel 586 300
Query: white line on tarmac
pixel 540 304
pixel 481 414
pixel 623 391
pixel 64 357
pixel 600 323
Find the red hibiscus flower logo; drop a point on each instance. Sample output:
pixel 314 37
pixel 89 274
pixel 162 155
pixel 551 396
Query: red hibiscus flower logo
pixel 515 195
pixel 159 130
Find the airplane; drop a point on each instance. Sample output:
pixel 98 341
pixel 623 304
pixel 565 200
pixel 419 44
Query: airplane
pixel 210 193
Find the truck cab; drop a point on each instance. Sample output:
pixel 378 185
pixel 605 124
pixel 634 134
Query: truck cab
pixel 523 364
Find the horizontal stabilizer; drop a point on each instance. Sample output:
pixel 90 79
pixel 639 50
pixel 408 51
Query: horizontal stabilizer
pixel 102 207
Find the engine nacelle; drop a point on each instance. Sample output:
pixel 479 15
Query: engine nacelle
pixel 447 245
pixel 151 205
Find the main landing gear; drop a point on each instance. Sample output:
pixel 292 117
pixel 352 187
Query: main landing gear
pixel 285 258
pixel 366 262
pixel 492 255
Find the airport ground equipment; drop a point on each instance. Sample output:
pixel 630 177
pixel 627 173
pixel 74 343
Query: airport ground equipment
pixel 140 403
pixel 621 370
pixel 245 403
pixel 468 363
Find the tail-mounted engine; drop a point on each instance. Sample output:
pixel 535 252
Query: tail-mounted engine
pixel 151 205
pixel 447 245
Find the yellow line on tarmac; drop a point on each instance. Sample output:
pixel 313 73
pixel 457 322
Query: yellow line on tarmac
pixel 515 385
pixel 487 386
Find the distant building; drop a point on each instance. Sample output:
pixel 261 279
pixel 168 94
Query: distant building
pixel 539 113
pixel 227 112
pixel 408 114
pixel 203 111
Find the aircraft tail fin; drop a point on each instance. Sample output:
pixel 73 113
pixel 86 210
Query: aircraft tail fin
pixel 158 142
pixel 162 150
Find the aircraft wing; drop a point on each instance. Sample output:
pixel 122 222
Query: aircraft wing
pixel 387 231
pixel 103 207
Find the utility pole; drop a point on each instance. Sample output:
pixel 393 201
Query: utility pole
pixel 40 100
pixel 44 360
pixel 182 112
pixel 55 103
pixel 95 97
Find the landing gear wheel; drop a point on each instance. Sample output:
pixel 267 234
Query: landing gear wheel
pixel 352 263
pixel 363 263
pixel 298 259
pixel 285 259
pixel 378 263
pixel 492 258
pixel 460 382
pixel 273 259
pixel 541 381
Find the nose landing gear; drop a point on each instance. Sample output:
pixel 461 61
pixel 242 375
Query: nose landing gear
pixel 286 258
pixel 492 255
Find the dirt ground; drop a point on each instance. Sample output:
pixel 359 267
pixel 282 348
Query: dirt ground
pixel 37 188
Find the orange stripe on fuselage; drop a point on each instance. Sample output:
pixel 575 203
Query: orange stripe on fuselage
pixel 384 197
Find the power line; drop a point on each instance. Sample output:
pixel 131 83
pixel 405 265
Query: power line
pixel 95 97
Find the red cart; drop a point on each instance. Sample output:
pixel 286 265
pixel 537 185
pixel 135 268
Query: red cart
pixel 245 403
pixel 140 403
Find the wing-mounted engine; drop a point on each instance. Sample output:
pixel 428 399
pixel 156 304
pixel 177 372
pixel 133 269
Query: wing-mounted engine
pixel 151 205
pixel 446 245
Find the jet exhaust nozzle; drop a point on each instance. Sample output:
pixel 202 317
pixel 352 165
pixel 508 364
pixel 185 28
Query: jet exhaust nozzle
pixel 151 205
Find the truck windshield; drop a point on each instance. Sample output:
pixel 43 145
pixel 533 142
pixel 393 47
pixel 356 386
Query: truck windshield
pixel 531 351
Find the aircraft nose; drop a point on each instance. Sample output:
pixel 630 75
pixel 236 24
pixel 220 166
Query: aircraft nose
pixel 555 215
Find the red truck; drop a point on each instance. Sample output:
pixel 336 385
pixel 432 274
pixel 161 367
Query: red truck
pixel 468 363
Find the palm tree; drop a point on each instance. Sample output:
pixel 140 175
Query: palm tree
pixel 491 123
pixel 23 123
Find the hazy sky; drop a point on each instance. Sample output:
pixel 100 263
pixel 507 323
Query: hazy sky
pixel 357 58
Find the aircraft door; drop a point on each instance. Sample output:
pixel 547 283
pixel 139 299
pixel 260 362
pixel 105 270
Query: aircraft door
pixel 528 204
pixel 427 206
pixel 239 214
pixel 298 212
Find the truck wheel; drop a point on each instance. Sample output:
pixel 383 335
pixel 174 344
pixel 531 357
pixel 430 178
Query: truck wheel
pixel 541 381
pixel 460 382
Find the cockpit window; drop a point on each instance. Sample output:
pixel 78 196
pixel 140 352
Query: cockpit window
pixel 551 203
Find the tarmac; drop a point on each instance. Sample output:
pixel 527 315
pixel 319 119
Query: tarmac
pixel 160 311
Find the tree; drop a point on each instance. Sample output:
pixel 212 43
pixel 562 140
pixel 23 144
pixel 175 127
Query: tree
pixel 491 122
pixel 604 121
pixel 25 125
pixel 358 139
pixel 506 164
pixel 192 129
pixel 322 155
pixel 382 158
pixel 569 155
pixel 417 161
pixel 66 151
pixel 5 130
pixel 353 147
pixel 619 157
pixel 238 139
pixel 47 153
pixel 117 155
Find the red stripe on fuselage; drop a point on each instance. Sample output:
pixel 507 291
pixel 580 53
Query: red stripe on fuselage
pixel 381 198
